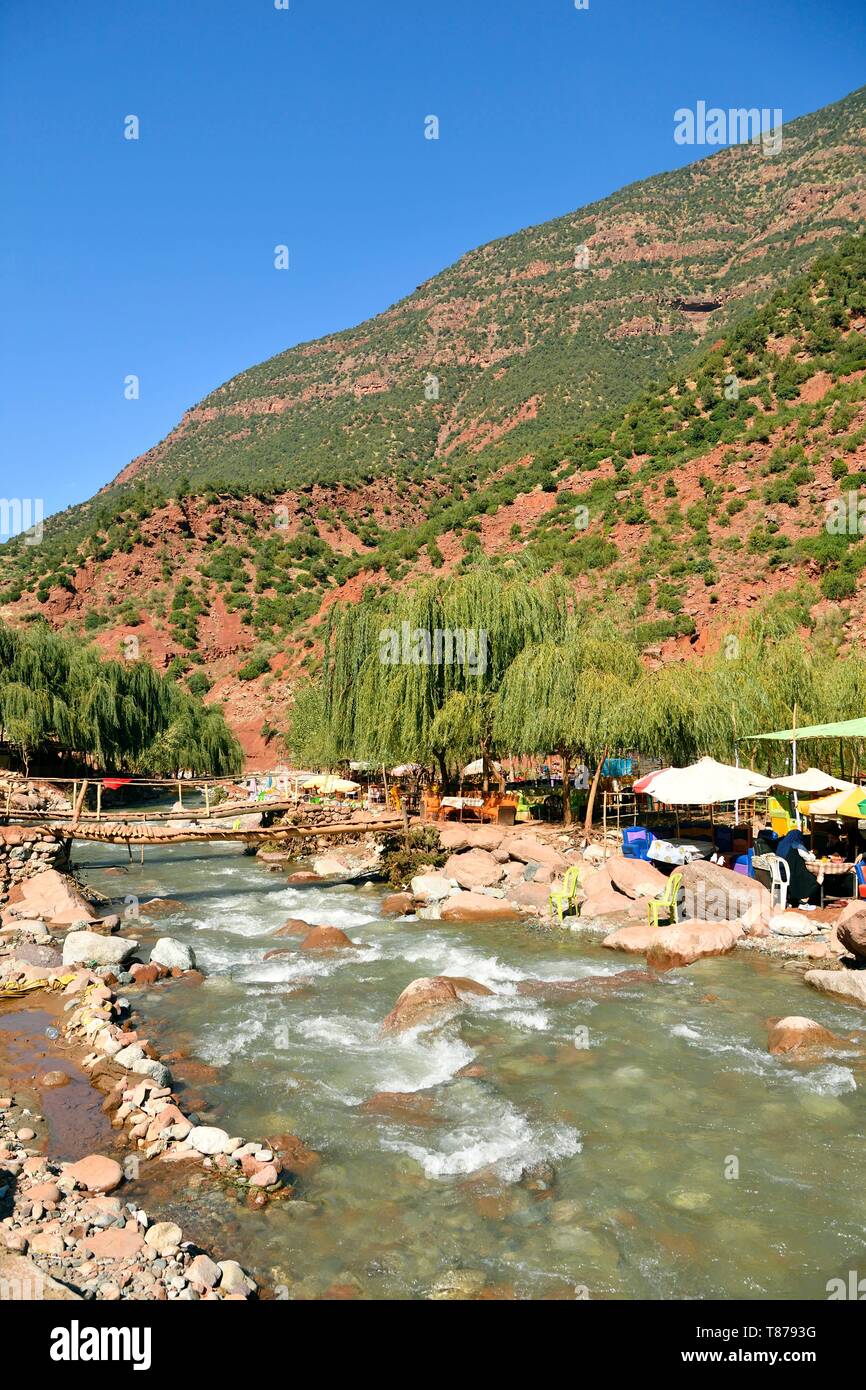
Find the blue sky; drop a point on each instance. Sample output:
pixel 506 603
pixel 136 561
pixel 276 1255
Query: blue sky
pixel 306 127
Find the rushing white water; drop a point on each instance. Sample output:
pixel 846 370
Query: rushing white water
pixel 543 1140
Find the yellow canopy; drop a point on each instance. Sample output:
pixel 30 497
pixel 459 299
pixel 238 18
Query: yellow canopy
pixel 847 803
pixel 854 804
pixel 329 783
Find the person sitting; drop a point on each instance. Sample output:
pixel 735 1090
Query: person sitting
pixel 804 887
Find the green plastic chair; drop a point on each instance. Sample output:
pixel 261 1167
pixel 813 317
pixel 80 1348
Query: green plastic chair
pixel 667 903
pixel 562 899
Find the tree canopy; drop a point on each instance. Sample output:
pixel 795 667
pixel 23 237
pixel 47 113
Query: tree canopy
pixel 59 696
pixel 544 676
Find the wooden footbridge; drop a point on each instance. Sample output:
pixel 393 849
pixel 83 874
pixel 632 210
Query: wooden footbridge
pixel 250 820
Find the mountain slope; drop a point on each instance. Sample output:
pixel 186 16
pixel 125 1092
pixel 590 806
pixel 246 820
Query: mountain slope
pixel 735 482
pixel 520 341
pixel 339 480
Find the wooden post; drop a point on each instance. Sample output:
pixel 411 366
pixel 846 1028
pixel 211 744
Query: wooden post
pixel 79 802
pixel 180 793
pixel 99 801
pixel 207 800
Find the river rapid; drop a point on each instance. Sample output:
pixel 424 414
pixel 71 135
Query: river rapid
pixel 628 1139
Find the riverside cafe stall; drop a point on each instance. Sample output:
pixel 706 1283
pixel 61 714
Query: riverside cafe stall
pixel 834 825
pixel 813 781
pixel 705 788
pixel 325 788
pixel 475 802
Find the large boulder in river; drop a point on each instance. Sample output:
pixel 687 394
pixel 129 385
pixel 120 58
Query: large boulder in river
pixel 690 941
pixel 847 985
pixel 527 848
pixel 474 868
pixel 464 985
pixel 397 904
pixel 850 929
pixel 173 954
pixel 428 1000
pixel 87 946
pixel 457 837
pixel 530 894
pixel 326 939
pixel 601 899
pixel 635 941
pixel 713 893
pixel 329 866
pixel 477 907
pixel 635 877
pixel 295 926
pixel 800 1036
pixel 51 896
pixel 431 888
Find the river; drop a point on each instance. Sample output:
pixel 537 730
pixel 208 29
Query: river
pixel 631 1141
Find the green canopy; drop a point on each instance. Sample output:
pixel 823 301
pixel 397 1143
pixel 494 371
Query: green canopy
pixel 846 728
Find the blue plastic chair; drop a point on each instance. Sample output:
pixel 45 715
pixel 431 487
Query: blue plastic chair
pixel 743 864
pixel 636 841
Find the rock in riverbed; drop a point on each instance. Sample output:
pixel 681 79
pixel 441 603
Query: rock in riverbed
pixel 477 907
pixel 432 887
pixel 295 926
pixel 635 878
pixel 473 868
pixel 96 1173
pixel 172 954
pixel 397 904
pixel 847 985
pixel 208 1139
pixel 635 941
pixel 851 929
pixel 329 866
pixel 795 1035
pixel 326 939
pixel 88 946
pixel 691 941
pixel 51 896
pixel 424 1001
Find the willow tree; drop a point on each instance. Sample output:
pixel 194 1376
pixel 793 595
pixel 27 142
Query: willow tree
pixel 59 695
pixel 309 737
pixel 675 713
pixel 841 687
pixel 413 676
pixel 763 676
pixel 573 697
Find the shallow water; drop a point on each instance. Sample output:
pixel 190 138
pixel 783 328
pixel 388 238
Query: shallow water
pixel 619 1142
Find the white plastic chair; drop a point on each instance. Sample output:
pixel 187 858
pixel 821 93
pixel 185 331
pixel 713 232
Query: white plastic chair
pixel 780 877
